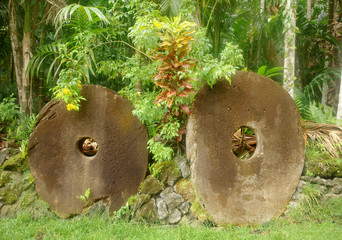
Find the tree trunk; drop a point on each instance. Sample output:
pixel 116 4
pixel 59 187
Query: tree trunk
pixel 290 47
pixel 21 52
pixel 41 96
pixel 262 9
pixel 308 9
pixel 26 97
pixel 217 30
pixel 16 48
pixel 339 108
pixel 328 50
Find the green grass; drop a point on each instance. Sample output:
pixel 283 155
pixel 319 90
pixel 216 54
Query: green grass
pixel 299 224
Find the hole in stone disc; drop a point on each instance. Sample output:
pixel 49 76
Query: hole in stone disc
pixel 88 146
pixel 244 142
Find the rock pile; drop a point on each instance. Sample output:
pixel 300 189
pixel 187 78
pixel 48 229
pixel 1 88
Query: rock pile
pixel 328 189
pixel 167 199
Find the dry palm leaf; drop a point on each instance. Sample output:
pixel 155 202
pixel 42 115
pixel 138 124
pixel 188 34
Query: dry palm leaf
pixel 328 136
pixel 243 143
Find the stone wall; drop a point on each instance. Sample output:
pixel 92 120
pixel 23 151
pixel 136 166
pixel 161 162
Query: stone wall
pixel 168 199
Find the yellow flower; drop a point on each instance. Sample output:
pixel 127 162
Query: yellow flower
pixel 157 24
pixel 59 95
pixel 66 91
pixel 71 107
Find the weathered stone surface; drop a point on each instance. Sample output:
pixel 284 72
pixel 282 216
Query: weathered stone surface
pixel 331 196
pixel 322 188
pixel 329 183
pixel 306 178
pixel 336 190
pixel 174 217
pixel 324 166
pixel 151 185
pixel 300 186
pixel 62 172
pixel 14 163
pixel 99 208
pixel 337 181
pixel 162 208
pixel 183 166
pixel 140 200
pixel 3 155
pixel 169 172
pixel 184 187
pixel 238 191
pixel 320 181
pixel 147 212
pixel 184 207
pixel 172 199
pixel 296 196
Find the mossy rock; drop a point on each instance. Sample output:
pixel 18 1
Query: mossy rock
pixel 10 194
pixel 147 212
pixel 5 177
pixel 13 184
pixel 151 185
pixel 185 188
pixel 139 200
pixel 199 211
pixel 17 163
pixel 168 172
pixel 324 167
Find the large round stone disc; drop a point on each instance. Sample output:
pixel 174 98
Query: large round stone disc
pixel 233 190
pixel 63 172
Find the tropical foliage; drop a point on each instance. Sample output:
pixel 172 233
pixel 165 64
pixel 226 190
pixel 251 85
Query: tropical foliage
pixel 158 54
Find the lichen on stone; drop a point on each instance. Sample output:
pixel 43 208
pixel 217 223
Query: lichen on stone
pixel 324 166
pixel 168 172
pixel 17 163
pixel 151 185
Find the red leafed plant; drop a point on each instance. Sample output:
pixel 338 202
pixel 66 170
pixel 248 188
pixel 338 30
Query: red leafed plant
pixel 172 76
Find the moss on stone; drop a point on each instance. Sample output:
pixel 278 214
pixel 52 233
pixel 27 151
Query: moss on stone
pixel 15 163
pixel 5 177
pixel 185 188
pixel 151 185
pixel 147 212
pixel 324 166
pixel 9 194
pixel 27 198
pixel 168 172
pixel 199 211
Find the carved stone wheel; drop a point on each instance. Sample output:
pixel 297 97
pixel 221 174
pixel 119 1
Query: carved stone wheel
pixel 253 190
pixel 102 147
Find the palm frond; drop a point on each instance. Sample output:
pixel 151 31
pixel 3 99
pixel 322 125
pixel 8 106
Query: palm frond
pixel 170 7
pixel 65 14
pixel 327 136
pixel 43 52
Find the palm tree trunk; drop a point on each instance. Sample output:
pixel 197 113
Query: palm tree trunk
pixel 308 9
pixel 26 43
pixel 339 108
pixel 217 29
pixel 262 9
pixel 41 96
pixel 290 47
pixel 328 50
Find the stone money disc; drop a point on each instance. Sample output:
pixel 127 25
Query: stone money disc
pixel 253 190
pixel 102 147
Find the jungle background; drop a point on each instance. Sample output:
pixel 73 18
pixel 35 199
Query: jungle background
pixel 158 54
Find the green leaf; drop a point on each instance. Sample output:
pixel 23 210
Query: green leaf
pixel 262 70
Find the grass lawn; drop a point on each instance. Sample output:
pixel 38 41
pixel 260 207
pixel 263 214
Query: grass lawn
pixel 320 221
